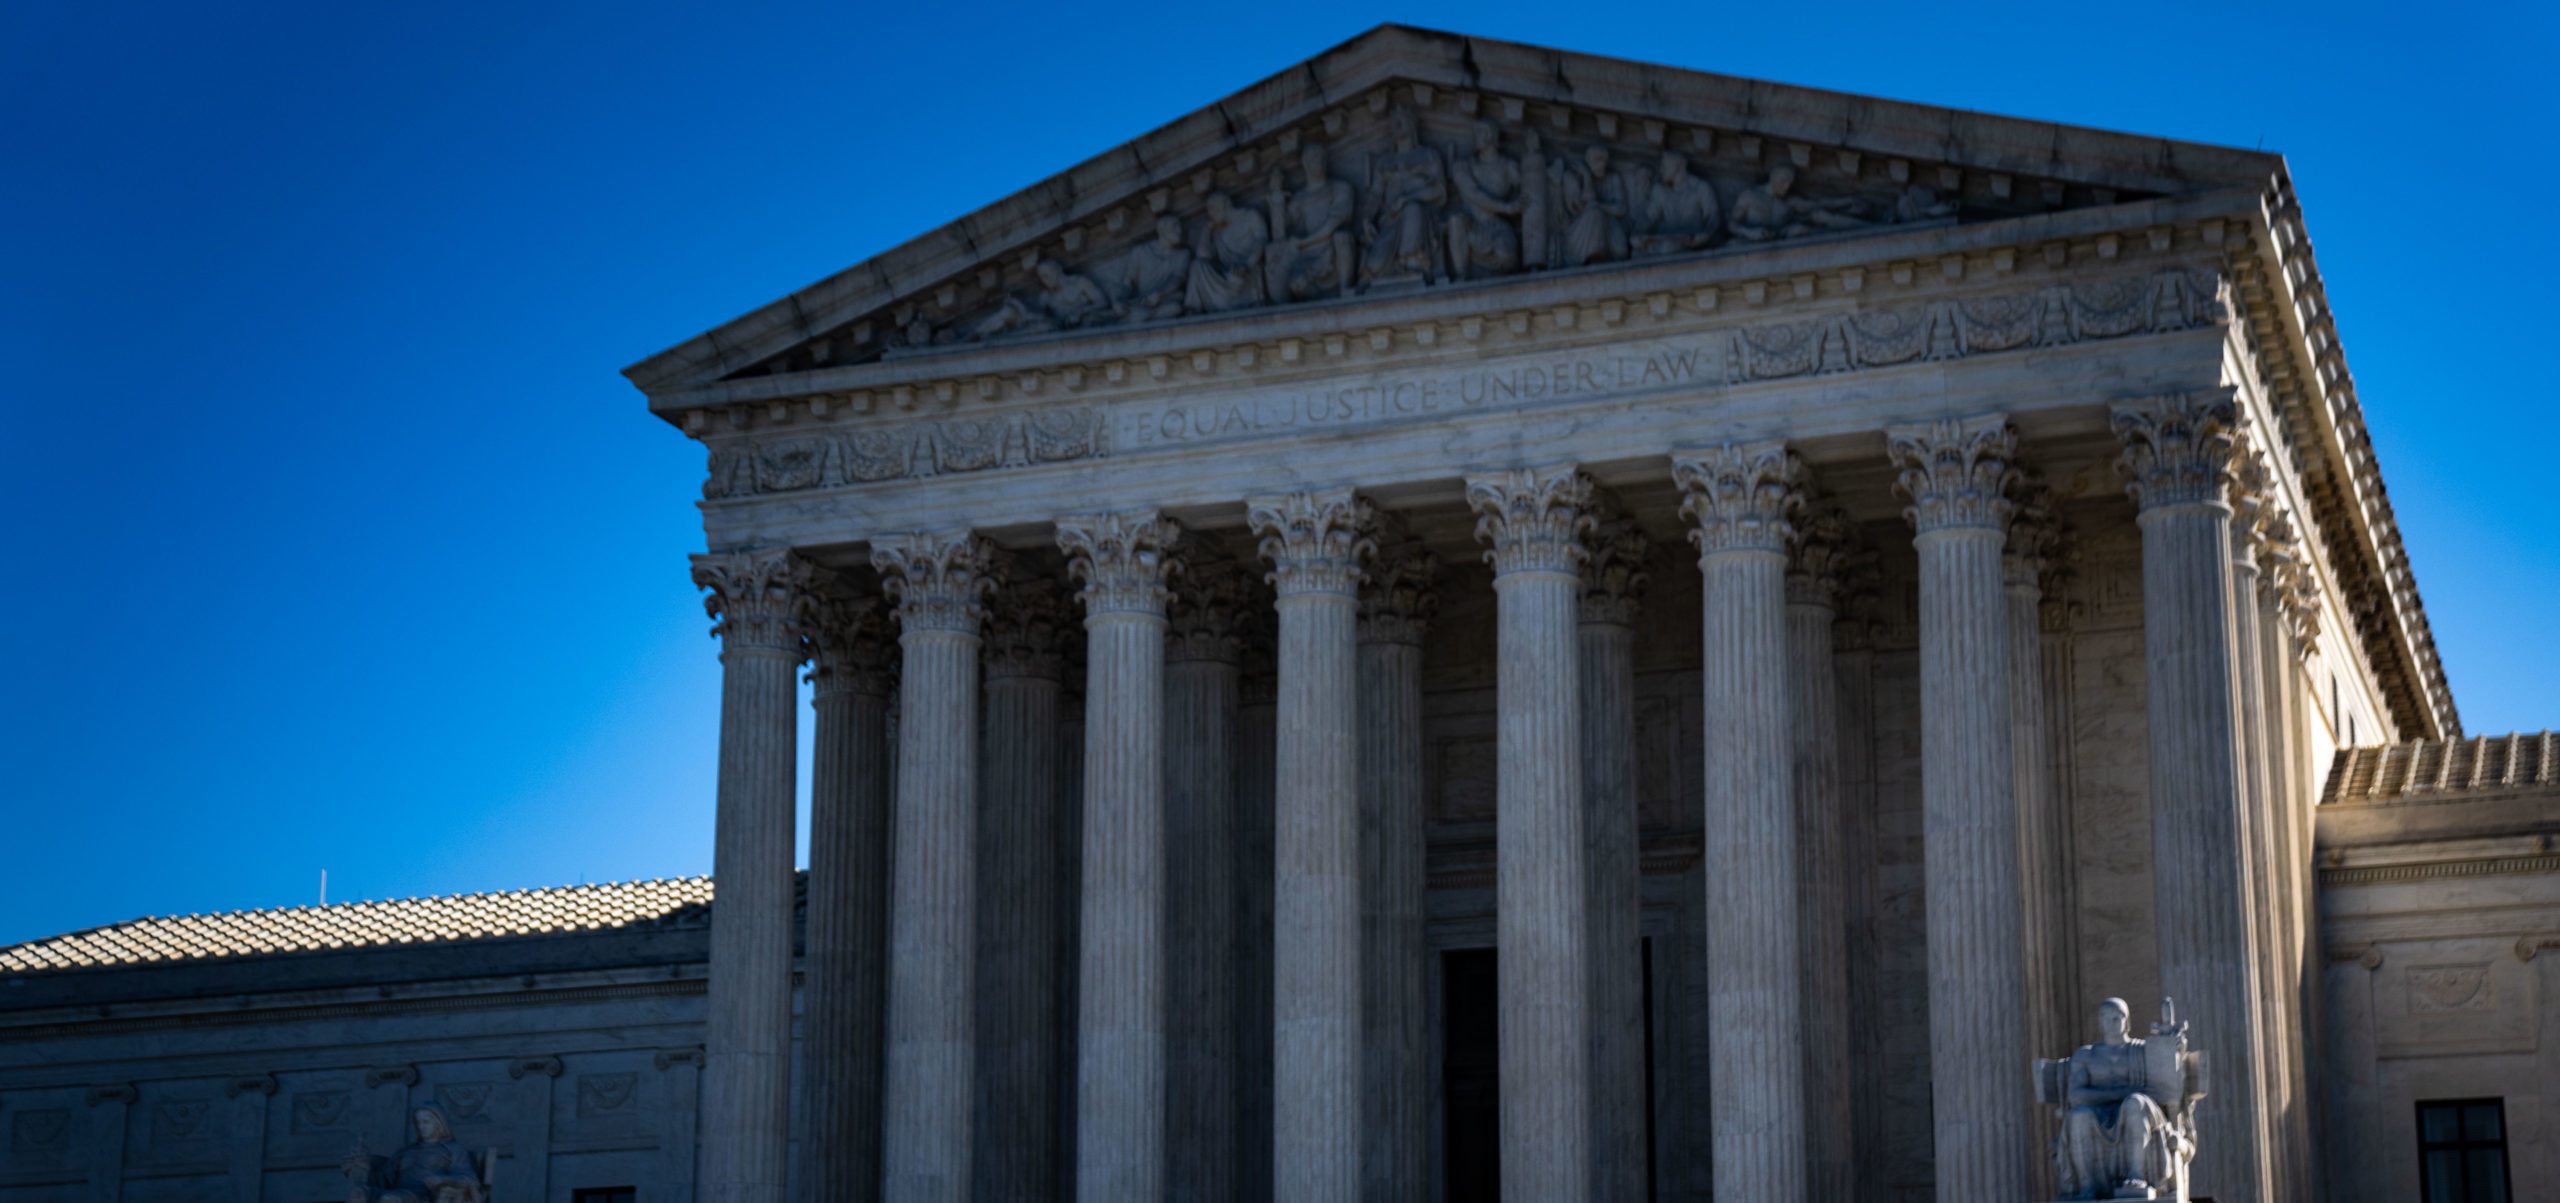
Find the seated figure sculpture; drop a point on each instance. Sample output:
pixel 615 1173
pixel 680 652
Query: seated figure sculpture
pixel 2128 1107
pixel 434 1169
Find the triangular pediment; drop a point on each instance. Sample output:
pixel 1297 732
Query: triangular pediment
pixel 1408 160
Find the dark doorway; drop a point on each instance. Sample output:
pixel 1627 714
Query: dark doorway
pixel 1471 1074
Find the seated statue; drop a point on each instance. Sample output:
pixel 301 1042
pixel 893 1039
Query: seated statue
pixel 2128 1109
pixel 1065 301
pixel 436 1169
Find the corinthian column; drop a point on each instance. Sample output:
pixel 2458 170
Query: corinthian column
pixel 1122 561
pixel 1395 609
pixel 1743 497
pixel 2177 456
pixel 1534 521
pixel 1201 676
pixel 757 604
pixel 2043 857
pixel 1019 931
pixel 1313 544
pixel 1821 549
pixel 1613 581
pixel 845 994
pixel 939 580
pixel 1956 474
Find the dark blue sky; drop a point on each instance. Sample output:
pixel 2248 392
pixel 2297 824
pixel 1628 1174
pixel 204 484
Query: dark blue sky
pixel 345 546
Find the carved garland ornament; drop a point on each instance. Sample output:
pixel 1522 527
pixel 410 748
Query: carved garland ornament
pixel 1742 496
pixel 1533 519
pixel 1122 560
pixel 1314 541
pixel 1956 472
pixel 939 579
pixel 759 599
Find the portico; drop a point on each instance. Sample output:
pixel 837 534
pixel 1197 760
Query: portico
pixel 1644 600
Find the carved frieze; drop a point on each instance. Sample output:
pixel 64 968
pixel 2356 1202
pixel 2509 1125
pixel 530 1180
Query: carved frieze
pixel 906 451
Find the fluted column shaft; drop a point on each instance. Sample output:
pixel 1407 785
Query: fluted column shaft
pixel 2177 456
pixel 929 1093
pixel 1019 930
pixel 1201 681
pixel 1853 672
pixel 1312 542
pixel 1120 1082
pixel 1613 581
pixel 1395 1083
pixel 1534 521
pixel 2042 856
pixel 758 599
pixel 1742 497
pixel 845 991
pixel 1822 860
pixel 1955 474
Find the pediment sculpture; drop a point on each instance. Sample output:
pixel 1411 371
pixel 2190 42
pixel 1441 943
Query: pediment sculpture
pixel 435 1168
pixel 2127 1108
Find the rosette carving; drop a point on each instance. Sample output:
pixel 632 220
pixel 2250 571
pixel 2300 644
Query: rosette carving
pixel 1743 496
pixel 939 579
pixel 2177 448
pixel 1613 571
pixel 1026 627
pixel 1314 541
pixel 1532 518
pixel 759 599
pixel 1122 560
pixel 1825 543
pixel 851 647
pixel 1207 616
pixel 1956 472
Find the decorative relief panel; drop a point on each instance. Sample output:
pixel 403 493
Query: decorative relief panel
pixel 605 1094
pixel 907 451
pixel 320 1110
pixel 39 1130
pixel 180 1121
pixel 465 1101
pixel 2443 988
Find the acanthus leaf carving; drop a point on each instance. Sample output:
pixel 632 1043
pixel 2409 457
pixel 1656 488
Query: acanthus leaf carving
pixel 2178 447
pixel 1122 560
pixel 939 580
pixel 1532 519
pixel 851 646
pixel 1740 496
pixel 1955 472
pixel 1207 615
pixel 1824 544
pixel 759 598
pixel 1402 591
pixel 1614 576
pixel 1314 541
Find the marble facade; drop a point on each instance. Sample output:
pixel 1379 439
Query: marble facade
pixel 1266 696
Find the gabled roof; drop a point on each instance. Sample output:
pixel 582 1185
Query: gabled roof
pixel 666 902
pixel 1219 147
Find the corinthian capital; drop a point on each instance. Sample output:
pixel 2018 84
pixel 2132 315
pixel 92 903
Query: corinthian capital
pixel 2034 533
pixel 1743 496
pixel 1955 471
pixel 939 579
pixel 759 599
pixel 1212 600
pixel 2290 580
pixel 1122 560
pixel 1613 572
pixel 1401 596
pixel 2177 448
pixel 1026 629
pixel 1532 518
pixel 1315 541
pixel 851 648
pixel 1825 545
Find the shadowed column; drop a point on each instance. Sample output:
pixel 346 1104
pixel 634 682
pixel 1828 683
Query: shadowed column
pixel 2177 457
pixel 1018 931
pixel 1200 683
pixel 1956 475
pixel 1395 609
pixel 1257 719
pixel 2043 856
pixel 1743 497
pixel 1122 561
pixel 928 1097
pixel 1822 938
pixel 845 991
pixel 1613 582
pixel 1533 519
pixel 758 600
pixel 1312 542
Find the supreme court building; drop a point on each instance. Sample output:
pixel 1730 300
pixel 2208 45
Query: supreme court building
pixel 1473 618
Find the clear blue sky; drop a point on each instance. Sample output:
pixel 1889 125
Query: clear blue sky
pixel 341 544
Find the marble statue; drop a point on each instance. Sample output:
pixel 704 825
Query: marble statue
pixel 1157 275
pixel 1065 301
pixel 1593 201
pixel 1408 183
pixel 1312 254
pixel 1918 203
pixel 434 1169
pixel 1227 274
pixel 1482 241
pixel 2127 1109
pixel 1680 212
pixel 1769 211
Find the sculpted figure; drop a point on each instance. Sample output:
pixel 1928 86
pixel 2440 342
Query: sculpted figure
pixel 1157 274
pixel 1481 240
pixel 1768 211
pixel 435 1169
pixel 1065 301
pixel 1407 186
pixel 1680 212
pixel 1228 273
pixel 1921 204
pixel 1313 253
pixel 2126 1111
pixel 1593 201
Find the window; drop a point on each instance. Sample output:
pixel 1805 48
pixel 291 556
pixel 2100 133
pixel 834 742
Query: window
pixel 615 1194
pixel 2462 1151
